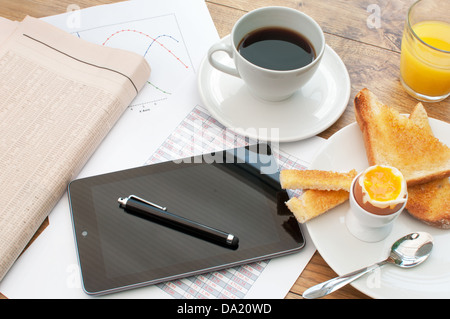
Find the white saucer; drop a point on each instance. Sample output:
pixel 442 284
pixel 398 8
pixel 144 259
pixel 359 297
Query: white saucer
pixel 311 110
pixel 345 253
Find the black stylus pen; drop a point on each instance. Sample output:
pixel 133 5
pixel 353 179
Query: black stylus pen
pixel 148 210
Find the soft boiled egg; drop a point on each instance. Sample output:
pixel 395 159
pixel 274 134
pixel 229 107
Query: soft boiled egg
pixel 381 190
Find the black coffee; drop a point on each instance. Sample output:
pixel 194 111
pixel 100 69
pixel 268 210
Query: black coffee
pixel 277 48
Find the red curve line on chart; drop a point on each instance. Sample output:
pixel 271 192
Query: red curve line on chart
pixel 153 39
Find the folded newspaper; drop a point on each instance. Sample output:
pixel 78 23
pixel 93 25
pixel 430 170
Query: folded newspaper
pixel 59 97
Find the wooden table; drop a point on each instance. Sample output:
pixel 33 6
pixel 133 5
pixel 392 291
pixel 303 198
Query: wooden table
pixel 366 34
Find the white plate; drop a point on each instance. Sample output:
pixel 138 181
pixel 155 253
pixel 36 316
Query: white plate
pixel 344 253
pixel 311 110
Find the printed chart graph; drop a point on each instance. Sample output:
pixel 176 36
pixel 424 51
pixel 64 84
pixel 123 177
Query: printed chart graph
pixel 160 41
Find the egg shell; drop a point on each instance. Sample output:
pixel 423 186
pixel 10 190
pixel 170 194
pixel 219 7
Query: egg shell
pixel 357 191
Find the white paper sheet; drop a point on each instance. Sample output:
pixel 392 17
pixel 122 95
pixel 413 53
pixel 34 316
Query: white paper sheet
pixel 49 267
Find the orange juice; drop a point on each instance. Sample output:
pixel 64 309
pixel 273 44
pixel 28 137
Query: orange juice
pixel 425 63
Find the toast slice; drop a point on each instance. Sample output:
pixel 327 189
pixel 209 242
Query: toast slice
pixel 316 179
pixel 429 202
pixel 420 117
pixel 393 139
pixel 324 190
pixel 313 203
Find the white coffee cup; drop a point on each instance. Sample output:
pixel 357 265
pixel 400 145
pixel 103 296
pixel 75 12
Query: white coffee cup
pixel 271 85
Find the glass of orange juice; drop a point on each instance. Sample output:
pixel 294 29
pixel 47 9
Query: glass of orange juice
pixel 425 53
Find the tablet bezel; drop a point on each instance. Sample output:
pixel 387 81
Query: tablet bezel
pixel 252 160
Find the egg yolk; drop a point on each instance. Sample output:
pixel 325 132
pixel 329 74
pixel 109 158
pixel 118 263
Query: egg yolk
pixel 382 184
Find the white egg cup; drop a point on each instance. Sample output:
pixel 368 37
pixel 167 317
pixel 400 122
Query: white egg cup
pixel 367 226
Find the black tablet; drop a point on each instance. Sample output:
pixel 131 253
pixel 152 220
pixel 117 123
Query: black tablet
pixel 237 191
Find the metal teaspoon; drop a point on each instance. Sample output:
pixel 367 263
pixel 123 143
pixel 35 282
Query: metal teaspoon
pixel 406 252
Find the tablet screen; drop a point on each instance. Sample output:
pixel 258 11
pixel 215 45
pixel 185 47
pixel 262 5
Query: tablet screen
pixel 236 191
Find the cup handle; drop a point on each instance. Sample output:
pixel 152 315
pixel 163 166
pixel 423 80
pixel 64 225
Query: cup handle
pixel 223 45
